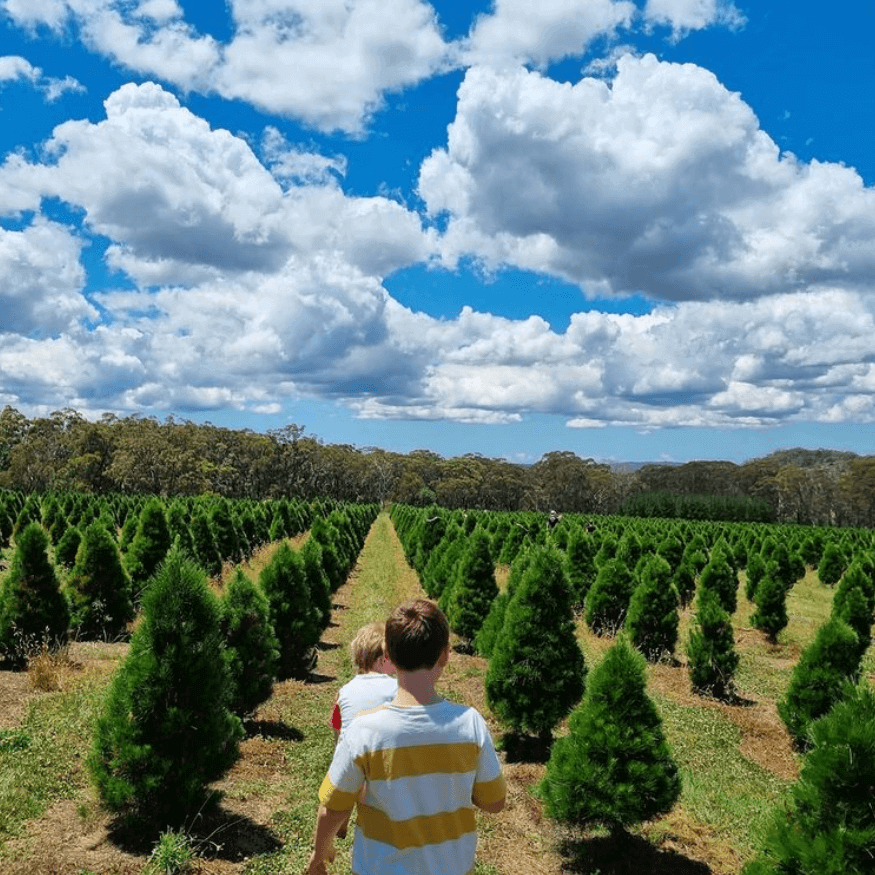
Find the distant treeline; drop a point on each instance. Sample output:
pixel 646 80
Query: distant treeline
pixel 140 455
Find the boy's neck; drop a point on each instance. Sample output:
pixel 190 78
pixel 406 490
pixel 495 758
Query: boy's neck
pixel 417 688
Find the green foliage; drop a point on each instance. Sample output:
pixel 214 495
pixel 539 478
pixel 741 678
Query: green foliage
pixel 177 525
pixel 33 610
pixel 755 572
pixel 672 550
pixel 580 564
pixel 684 581
pixel 614 768
pixel 828 828
pixel 629 550
pixel 173 855
pixel 251 646
pixel 697 507
pixel 474 589
pixel 149 546
pixel 294 617
pixel 711 648
pixel 317 581
pixel 205 551
pixel 832 564
pixel 225 531
pixel 537 671
pixel 608 599
pixel 652 621
pixel 771 601
pixel 165 732
pixel 99 587
pixel 484 641
pixel 854 601
pixel 832 658
pixel 722 579
pixel 68 547
pixel 326 536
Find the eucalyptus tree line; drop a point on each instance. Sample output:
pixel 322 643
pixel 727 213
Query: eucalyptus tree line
pixel 141 455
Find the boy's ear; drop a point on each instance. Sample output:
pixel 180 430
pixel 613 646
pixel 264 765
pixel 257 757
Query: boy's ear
pixel 444 658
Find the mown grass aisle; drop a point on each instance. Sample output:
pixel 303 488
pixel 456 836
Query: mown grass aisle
pixel 380 581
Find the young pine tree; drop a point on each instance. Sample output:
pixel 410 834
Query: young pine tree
pixel 771 601
pixel 828 828
pixel 580 564
pixel 484 641
pixel 149 546
pixel 755 572
pixel 165 732
pixel 99 588
pixel 854 602
pixel 33 610
pixel 537 671
pixel 614 767
pixel 206 552
pixel 832 658
pixel 68 547
pixel 251 646
pixel 608 599
pixel 294 617
pixel 474 589
pixel 711 650
pixel 720 577
pixel 317 581
pixel 652 621
pixel 832 564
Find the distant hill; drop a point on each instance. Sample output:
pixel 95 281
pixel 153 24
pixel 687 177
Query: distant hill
pixel 800 458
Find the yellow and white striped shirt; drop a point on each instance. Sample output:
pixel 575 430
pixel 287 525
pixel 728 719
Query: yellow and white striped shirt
pixel 423 769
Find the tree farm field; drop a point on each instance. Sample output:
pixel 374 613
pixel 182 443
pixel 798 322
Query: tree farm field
pixel 736 760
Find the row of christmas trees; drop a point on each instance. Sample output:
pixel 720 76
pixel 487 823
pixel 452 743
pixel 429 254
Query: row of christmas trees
pixel 614 766
pixel 100 551
pixel 197 663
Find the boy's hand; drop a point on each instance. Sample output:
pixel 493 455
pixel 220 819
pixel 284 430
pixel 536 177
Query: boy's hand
pixel 316 867
pixel 320 867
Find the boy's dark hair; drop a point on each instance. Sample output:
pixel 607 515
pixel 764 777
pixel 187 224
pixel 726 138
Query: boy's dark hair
pixel 417 632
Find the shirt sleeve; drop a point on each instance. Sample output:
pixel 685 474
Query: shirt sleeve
pixel 489 783
pixel 344 780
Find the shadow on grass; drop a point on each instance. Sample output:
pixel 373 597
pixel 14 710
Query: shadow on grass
pixel 272 729
pixel 525 748
pixel 215 834
pixel 625 854
pixel 327 645
pixel 315 678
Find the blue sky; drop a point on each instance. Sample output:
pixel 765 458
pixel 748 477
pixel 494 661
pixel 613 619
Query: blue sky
pixel 635 230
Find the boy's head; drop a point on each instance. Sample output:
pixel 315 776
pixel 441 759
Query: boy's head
pixel 366 649
pixel 417 633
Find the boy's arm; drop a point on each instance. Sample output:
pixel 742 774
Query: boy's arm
pixel 491 807
pixel 327 824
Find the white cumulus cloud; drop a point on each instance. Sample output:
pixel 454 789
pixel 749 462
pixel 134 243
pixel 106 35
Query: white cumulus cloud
pixel 659 182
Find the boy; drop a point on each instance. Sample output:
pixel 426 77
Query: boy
pixel 372 686
pixel 424 763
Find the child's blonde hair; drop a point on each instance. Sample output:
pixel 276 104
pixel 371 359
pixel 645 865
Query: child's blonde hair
pixel 367 646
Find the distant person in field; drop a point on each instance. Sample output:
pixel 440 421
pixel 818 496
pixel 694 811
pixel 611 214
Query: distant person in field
pixel 416 767
pixel 553 519
pixel 374 684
